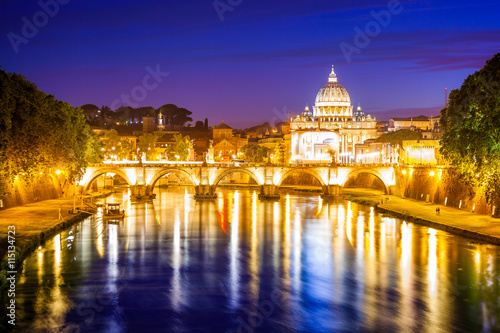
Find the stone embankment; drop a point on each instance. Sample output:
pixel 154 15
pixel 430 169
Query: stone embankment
pixel 483 228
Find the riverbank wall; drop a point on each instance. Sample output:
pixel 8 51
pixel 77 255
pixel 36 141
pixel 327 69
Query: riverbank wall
pixel 43 187
pixel 441 185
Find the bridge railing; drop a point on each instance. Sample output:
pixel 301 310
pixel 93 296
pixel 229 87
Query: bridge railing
pixel 230 164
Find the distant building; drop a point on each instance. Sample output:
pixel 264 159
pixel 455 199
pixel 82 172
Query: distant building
pixel 372 151
pixel 148 124
pixel 421 152
pixel 227 145
pixel 421 122
pixel 332 128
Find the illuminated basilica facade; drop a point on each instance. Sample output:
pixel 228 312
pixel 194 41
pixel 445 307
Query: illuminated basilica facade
pixel 332 129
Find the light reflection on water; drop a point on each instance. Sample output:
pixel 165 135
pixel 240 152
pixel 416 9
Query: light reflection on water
pixel 238 264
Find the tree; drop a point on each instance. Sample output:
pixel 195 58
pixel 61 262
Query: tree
pixel 199 125
pixel 39 134
pixel 116 147
pixel 471 130
pixel 279 152
pixel 205 125
pixel 174 115
pixel 147 145
pixel 179 151
pixel 255 153
pixel 398 136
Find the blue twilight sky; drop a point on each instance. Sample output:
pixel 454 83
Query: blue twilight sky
pixel 249 60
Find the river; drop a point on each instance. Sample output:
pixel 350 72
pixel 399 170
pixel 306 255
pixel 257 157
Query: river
pixel 238 264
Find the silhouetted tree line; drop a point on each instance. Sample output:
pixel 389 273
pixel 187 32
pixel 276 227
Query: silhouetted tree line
pixel 172 115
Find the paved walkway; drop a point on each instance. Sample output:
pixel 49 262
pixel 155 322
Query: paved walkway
pixel 31 219
pixel 451 219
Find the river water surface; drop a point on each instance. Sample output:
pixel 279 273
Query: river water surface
pixel 238 264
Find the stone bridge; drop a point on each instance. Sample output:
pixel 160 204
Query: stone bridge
pixel 142 178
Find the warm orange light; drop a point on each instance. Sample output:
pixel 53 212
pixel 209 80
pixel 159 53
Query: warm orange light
pixel 404 172
pixel 432 173
pixel 58 172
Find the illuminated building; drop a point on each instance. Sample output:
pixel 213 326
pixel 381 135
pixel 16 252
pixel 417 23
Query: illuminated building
pixel 226 144
pixel 332 129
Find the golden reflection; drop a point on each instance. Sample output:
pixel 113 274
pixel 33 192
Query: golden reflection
pixel 57 251
pixel 371 235
pixel 288 216
pixel 432 261
pixel 341 220
pixel 113 244
pixel 276 213
pixel 320 204
pixel 297 250
pixel 100 243
pixel 145 219
pixel 254 211
pixel 187 207
pixel 187 210
pixel 234 251
pixel 382 239
pixel 286 241
pixel 406 249
pixel 176 263
pixel 349 223
pixel 40 264
pixel 276 235
pixel 360 233
pixel 254 254
pixel 58 303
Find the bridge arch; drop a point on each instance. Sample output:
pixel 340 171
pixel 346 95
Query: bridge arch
pixel 98 172
pixel 301 170
pixel 372 172
pixel 167 171
pixel 234 170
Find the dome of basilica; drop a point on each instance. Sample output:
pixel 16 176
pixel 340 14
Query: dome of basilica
pixel 332 93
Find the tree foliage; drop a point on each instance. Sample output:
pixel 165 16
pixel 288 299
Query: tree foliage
pixel 199 125
pixel 255 153
pixel 116 147
pixel 39 133
pixel 174 115
pixel 279 151
pixel 471 126
pixel 179 151
pixel 399 136
pixel 147 143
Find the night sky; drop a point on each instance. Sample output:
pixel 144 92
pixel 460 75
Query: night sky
pixel 251 57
